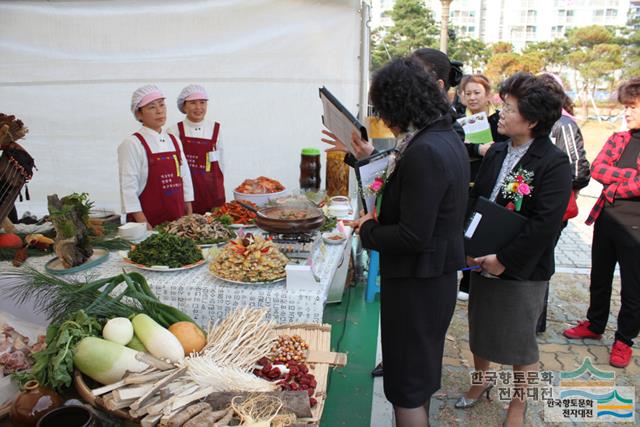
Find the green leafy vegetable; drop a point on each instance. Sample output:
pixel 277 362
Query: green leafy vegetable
pixel 53 365
pixel 330 223
pixel 166 249
pixel 225 219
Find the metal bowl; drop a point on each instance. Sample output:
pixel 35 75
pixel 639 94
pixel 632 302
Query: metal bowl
pixel 268 220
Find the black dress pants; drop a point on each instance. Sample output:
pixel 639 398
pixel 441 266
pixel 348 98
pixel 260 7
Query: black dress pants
pixel 613 244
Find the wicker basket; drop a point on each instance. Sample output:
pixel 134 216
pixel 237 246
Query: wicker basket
pixel 85 393
pixel 318 336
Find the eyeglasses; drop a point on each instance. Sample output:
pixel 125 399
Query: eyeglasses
pixel 508 109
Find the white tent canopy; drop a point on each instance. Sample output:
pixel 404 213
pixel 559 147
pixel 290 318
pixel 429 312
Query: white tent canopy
pixel 68 69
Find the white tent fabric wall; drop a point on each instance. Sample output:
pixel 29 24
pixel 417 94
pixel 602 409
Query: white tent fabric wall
pixel 68 69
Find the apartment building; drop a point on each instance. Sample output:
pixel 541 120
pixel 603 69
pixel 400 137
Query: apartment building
pixel 523 21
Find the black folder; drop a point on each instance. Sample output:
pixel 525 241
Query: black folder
pixel 339 120
pixel 490 227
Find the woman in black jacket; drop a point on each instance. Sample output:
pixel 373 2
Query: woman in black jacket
pixel 418 233
pixel 477 92
pixel 530 174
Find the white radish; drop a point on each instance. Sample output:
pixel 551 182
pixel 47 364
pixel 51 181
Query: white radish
pixel 105 361
pixel 157 340
pixel 118 330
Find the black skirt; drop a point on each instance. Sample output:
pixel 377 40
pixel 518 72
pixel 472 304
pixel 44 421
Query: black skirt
pixel 414 318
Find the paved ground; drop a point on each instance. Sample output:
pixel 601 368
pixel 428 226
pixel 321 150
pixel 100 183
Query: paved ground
pixel 569 296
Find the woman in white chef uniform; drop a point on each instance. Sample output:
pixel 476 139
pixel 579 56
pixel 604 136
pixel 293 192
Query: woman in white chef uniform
pixel 200 139
pixel 155 183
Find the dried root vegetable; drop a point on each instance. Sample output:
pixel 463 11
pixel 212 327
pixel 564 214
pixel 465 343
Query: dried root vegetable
pixel 260 410
pixel 200 420
pixel 226 418
pixel 192 411
pixel 203 371
pixel 233 346
pixel 241 338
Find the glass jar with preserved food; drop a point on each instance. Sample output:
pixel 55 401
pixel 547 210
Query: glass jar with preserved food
pixel 337 174
pixel 310 169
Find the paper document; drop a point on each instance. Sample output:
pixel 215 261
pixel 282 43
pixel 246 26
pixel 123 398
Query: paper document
pixel 476 128
pixel 339 120
pixel 367 171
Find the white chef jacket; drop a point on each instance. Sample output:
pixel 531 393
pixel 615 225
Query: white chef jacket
pixel 203 129
pixel 133 167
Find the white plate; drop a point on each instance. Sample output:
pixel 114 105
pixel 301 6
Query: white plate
pixel 160 268
pixel 239 226
pixel 55 266
pixel 101 213
pixel 238 282
pixel 33 228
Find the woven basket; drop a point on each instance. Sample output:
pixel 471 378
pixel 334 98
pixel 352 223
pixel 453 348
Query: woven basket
pixel 318 336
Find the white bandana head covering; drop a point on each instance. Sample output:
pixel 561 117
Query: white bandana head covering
pixel 191 93
pixel 143 96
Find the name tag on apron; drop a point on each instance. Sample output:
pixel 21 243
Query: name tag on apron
pixel 214 156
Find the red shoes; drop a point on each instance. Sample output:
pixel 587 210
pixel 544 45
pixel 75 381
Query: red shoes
pixel 581 331
pixel 620 352
pixel 620 355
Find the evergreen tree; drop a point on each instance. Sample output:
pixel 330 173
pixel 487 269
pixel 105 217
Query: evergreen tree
pixel 413 28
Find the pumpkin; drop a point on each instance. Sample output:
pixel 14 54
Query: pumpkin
pixel 10 241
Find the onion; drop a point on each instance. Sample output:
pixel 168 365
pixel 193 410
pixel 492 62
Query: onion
pixel 118 330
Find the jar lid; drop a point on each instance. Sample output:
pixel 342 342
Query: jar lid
pixel 310 152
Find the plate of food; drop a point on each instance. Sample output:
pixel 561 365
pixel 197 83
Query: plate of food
pixel 204 230
pixel 239 226
pixel 161 268
pixel 165 252
pixel 238 282
pixel 259 191
pixel 285 219
pixel 249 260
pixel 333 238
pixel 236 214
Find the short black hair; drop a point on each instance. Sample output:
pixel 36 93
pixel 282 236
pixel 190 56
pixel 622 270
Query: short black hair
pixel 438 63
pixel 536 102
pixel 550 81
pixel 629 91
pixel 404 94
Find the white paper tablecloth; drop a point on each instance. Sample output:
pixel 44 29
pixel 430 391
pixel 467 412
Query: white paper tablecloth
pixel 205 298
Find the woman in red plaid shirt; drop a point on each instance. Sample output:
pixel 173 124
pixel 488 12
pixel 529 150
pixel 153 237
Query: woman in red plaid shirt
pixel 616 234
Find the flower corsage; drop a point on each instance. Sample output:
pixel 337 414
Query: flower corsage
pixel 375 189
pixel 516 186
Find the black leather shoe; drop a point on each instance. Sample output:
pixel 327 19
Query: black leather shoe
pixel 377 371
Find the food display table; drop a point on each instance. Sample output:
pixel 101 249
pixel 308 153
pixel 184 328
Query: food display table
pixel 205 298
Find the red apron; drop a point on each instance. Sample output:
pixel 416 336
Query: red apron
pixel 162 199
pixel 206 175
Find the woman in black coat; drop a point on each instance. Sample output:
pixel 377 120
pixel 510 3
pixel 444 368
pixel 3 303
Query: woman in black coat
pixel 418 233
pixel 506 297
